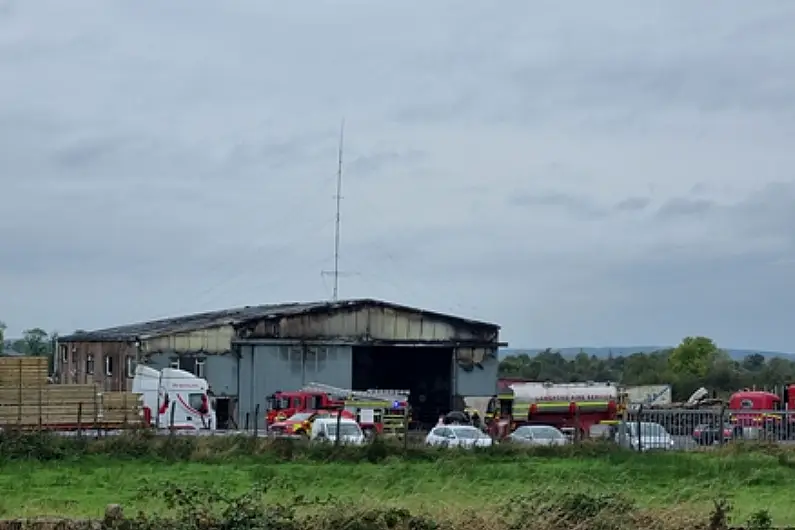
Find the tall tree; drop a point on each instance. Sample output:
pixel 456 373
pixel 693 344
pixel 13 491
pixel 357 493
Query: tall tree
pixel 3 328
pixel 36 341
pixel 694 355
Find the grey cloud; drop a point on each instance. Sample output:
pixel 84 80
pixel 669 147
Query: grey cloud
pixel 682 206
pixel 570 203
pixel 368 164
pixel 632 204
pixel 767 212
pixel 87 151
pixel 155 171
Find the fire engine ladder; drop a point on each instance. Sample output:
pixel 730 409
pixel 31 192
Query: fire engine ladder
pixel 393 423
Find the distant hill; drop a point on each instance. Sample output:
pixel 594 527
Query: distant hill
pixel 623 351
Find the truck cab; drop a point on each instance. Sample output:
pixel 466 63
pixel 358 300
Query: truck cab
pixel 173 399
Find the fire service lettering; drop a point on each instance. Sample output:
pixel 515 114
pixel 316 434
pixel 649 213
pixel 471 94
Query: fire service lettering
pixel 574 397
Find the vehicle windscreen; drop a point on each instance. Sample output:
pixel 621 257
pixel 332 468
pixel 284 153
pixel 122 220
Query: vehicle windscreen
pixel 301 416
pixel 546 433
pixel 346 429
pixel 647 429
pixel 196 401
pixel 278 403
pixel 469 433
pixel 523 432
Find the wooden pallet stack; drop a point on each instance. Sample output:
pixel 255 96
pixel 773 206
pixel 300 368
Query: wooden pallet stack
pixel 27 401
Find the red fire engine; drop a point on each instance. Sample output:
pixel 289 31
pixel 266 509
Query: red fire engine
pixel 381 411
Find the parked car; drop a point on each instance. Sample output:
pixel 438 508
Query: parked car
pixel 713 432
pixel 538 435
pixel 458 436
pixel 325 430
pixel 648 436
pixel 299 424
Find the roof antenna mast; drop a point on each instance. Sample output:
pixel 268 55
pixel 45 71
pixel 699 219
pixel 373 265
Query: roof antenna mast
pixel 338 197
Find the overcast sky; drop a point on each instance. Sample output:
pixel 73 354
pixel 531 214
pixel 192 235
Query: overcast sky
pixel 590 173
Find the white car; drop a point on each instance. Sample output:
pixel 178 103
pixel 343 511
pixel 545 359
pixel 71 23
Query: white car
pixel 457 436
pixel 325 430
pixel 648 436
pixel 538 435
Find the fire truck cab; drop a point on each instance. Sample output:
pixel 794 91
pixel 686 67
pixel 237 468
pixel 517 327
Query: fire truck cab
pixel 764 410
pixel 282 405
pixel 376 411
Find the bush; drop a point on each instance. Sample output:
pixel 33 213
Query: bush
pixel 210 509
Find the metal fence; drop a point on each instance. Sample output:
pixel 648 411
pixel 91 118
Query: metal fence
pixel 686 429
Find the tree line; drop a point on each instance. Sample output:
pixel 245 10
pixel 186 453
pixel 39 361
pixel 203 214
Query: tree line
pixel 34 341
pixel 694 363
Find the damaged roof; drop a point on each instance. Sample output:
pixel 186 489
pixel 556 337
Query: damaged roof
pixel 242 315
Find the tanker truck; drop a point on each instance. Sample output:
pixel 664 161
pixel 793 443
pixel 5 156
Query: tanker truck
pixel 573 408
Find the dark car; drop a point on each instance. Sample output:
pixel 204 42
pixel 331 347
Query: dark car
pixel 710 433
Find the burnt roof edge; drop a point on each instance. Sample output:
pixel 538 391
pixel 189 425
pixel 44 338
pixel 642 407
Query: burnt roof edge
pixel 100 336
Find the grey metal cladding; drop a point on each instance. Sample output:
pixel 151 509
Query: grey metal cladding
pixel 266 368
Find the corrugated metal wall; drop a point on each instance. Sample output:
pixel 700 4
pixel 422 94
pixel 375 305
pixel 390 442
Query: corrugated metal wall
pixel 477 382
pixel 211 340
pixel 378 323
pixel 264 369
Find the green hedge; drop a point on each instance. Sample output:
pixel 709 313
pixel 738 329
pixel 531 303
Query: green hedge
pixel 20 445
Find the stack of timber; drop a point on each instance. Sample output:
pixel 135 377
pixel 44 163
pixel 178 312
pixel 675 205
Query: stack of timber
pixel 27 401
pixel 23 371
pixel 121 408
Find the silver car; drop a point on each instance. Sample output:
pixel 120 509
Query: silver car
pixel 538 435
pixel 649 436
pixel 458 436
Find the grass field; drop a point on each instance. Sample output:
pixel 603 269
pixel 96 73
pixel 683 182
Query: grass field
pixel 657 484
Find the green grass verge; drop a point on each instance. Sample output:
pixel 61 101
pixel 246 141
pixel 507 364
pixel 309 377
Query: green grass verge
pixel 41 476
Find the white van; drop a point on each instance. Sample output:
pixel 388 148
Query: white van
pixel 325 429
pixel 171 393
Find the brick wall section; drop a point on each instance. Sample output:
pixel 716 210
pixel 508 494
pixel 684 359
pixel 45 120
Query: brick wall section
pixel 90 362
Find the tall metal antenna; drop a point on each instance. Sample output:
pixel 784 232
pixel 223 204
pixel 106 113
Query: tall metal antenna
pixel 337 220
pixel 337 273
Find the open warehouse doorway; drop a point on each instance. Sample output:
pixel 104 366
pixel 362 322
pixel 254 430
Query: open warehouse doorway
pixel 427 372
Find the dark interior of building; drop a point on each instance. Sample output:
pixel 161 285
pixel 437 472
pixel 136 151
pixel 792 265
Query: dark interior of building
pixel 426 372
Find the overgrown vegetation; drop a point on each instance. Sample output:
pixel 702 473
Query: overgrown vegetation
pixel 211 508
pixel 229 482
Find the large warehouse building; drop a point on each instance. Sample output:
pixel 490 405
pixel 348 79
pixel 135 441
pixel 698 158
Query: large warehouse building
pixel 248 353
